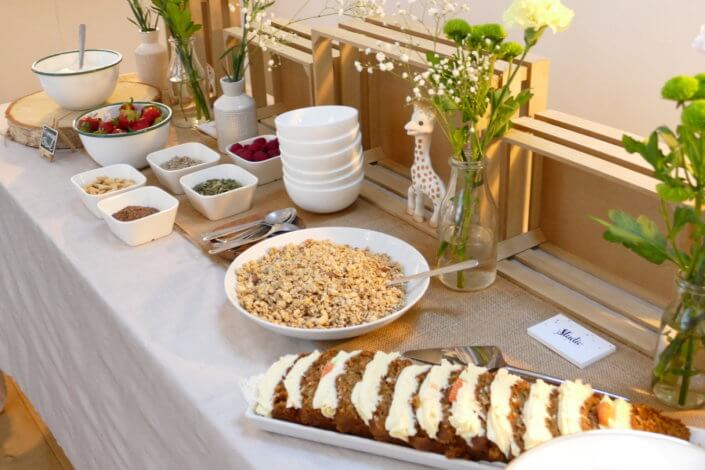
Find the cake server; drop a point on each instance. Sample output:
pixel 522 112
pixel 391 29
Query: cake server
pixel 483 356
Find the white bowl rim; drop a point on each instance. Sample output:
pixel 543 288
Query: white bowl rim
pixel 279 120
pixel 299 187
pixel 157 167
pixel 263 162
pixel 173 200
pixel 138 184
pixel 117 60
pixel 355 144
pixel 334 181
pixel 127 134
pixel 190 190
pixel 320 142
pixel 410 302
pixel 318 174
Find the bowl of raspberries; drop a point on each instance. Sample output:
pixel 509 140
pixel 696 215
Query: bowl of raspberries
pixel 258 155
pixel 124 132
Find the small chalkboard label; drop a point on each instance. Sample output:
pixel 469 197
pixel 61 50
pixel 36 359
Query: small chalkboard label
pixel 47 144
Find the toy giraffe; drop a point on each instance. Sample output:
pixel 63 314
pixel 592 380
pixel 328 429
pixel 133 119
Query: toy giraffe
pixel 424 180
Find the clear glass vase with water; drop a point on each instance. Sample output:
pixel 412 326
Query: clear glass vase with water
pixel 468 227
pixel 187 86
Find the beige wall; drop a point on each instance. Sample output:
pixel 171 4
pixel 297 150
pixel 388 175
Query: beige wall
pixel 608 67
pixel 32 29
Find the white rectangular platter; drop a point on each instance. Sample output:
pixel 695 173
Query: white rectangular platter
pixel 391 451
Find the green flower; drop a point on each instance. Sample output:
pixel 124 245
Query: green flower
pixel 492 31
pixel 694 115
pixel 510 50
pixel 700 94
pixel 457 29
pixel 680 88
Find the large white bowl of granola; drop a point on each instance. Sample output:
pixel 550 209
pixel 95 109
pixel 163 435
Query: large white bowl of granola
pixel 325 283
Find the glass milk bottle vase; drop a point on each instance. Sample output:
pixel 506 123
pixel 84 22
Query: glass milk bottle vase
pixel 187 85
pixel 468 227
pixel 678 377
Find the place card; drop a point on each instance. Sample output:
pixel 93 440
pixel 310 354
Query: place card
pixel 48 141
pixel 571 340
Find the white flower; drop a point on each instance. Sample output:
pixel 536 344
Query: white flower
pixel 404 58
pixel 408 99
pixel 538 14
pixel 404 75
pixel 380 57
pixel 699 41
pixel 358 66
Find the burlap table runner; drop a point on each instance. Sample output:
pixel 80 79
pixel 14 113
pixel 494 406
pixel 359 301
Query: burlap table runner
pixel 496 316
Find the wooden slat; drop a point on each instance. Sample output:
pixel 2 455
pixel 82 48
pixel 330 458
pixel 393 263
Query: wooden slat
pixel 579 306
pixel 518 244
pixel 396 167
pixel 394 204
pixel 257 77
pixel 592 287
pixel 298 28
pixel 607 151
pixel 591 164
pixel 602 274
pixel 584 126
pixel 324 86
pixel 283 50
pixel 391 181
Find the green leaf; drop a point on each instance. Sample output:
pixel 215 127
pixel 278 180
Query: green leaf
pixel 681 217
pixel 641 235
pixel 649 149
pixel 674 192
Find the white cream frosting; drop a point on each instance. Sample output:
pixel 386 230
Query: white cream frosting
pixel 571 397
pixel 268 384
pixel 292 382
pixel 430 411
pixel 326 397
pixel 400 422
pixel 466 413
pixel 499 428
pixel 535 414
pixel 365 394
pixel 621 414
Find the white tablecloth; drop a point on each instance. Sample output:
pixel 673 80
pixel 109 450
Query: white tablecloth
pixel 131 355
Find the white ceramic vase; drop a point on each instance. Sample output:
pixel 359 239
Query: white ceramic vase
pixel 152 60
pixel 235 114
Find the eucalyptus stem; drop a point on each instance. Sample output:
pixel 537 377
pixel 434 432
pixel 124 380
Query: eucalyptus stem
pixel 687 372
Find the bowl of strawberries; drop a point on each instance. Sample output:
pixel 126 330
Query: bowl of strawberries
pixel 258 155
pixel 124 132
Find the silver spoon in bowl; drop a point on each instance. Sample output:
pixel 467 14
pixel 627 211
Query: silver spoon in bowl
pixel 279 216
pixel 230 244
pixel 81 44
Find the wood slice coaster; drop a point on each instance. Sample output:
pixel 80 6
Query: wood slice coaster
pixel 26 115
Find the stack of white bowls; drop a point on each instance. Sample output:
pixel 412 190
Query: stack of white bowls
pixel 321 153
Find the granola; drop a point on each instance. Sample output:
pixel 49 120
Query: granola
pixel 320 284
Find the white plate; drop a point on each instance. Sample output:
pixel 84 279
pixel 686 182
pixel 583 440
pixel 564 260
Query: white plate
pixel 580 459
pixel 615 450
pixel 362 444
pixel 409 257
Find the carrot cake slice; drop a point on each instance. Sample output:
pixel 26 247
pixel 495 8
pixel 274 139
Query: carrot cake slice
pixel 309 385
pixel 346 418
pixel 325 399
pixel 508 393
pixel 539 414
pixel 386 394
pixel 429 409
pixel 267 386
pixel 288 396
pixel 401 420
pixel 620 414
pixel 365 396
pixel 575 401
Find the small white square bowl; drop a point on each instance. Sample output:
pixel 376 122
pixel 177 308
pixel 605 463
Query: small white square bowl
pixel 170 178
pixel 225 204
pixel 146 229
pixel 119 170
pixel 266 171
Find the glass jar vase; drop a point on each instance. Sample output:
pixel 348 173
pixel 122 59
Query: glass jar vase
pixel 468 227
pixel 678 377
pixel 187 85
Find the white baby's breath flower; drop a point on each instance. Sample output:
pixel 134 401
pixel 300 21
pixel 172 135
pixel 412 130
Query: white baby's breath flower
pixel 404 58
pixel 404 75
pixel 699 41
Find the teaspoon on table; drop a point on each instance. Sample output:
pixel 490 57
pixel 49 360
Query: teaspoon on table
pixel 280 216
pixel 230 244
pixel 469 264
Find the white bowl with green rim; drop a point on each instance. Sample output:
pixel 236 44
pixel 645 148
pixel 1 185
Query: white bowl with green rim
pixel 76 89
pixel 131 147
